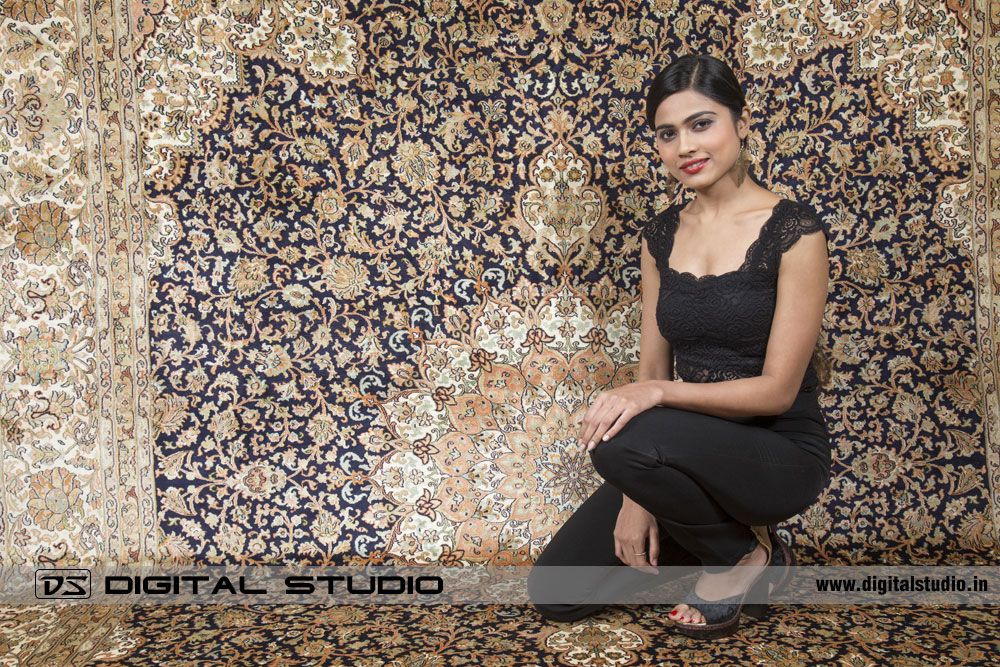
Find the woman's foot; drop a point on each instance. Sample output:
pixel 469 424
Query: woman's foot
pixel 719 585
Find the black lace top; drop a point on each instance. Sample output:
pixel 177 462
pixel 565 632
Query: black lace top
pixel 718 325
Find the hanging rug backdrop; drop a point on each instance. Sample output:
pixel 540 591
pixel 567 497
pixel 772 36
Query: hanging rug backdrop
pixel 332 282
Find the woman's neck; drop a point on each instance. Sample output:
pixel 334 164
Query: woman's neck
pixel 723 198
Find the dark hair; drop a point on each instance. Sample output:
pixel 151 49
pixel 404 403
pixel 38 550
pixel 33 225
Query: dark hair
pixel 701 73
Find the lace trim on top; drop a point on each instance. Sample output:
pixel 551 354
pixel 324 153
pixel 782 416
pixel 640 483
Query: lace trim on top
pixel 719 324
pixel 673 222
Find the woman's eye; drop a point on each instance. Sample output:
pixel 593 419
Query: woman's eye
pixel 667 135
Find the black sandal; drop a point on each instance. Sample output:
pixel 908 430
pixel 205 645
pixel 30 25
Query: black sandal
pixel 722 617
pixel 781 557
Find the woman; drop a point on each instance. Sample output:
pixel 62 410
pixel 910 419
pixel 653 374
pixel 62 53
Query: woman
pixel 734 287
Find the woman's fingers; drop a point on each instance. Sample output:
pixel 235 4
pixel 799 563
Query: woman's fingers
pixel 586 424
pixel 599 425
pixel 627 553
pixel 591 422
pixel 604 411
pixel 636 556
pixel 654 544
pixel 633 556
pixel 617 425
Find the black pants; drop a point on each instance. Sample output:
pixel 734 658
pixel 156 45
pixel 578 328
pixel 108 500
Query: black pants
pixel 705 479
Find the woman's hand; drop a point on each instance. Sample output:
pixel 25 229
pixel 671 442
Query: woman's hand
pixel 636 537
pixel 613 408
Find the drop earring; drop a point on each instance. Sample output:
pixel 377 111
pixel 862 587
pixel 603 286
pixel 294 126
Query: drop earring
pixel 672 183
pixel 741 165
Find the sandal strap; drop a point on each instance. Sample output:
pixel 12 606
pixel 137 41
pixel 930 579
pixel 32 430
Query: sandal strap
pixel 783 558
pixel 763 536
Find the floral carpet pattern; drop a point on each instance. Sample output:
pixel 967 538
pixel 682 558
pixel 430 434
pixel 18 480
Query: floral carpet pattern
pixel 506 635
pixel 331 283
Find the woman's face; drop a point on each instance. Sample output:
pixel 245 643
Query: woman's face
pixel 690 126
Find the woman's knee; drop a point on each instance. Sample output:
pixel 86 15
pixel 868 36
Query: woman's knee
pixel 634 446
pixel 667 436
pixel 603 463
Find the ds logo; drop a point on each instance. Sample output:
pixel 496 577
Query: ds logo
pixel 62 584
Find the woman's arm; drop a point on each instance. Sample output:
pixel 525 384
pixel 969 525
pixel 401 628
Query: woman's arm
pixel 732 399
pixel 803 279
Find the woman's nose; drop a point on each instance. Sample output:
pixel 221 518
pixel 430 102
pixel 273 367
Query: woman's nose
pixel 684 144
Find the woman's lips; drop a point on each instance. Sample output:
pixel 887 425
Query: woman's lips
pixel 696 167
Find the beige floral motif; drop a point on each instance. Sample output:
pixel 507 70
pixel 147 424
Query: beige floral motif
pixel 169 413
pixel 554 16
pixel 54 494
pixel 879 466
pixel 260 481
pixel 345 276
pixel 228 240
pixel 439 10
pixel 43 232
pixel 231 540
pixel 595 643
pixel 329 205
pixel 483 75
pixel 866 265
pixel 30 11
pixel 963 390
pixel 629 73
pixel 322 429
pixel 664 8
pixel 918 522
pixel 43 355
pixel 493 463
pixel 224 424
pixel 37 109
pixel 275 361
pixel 329 527
pixel 416 164
pixel 561 206
pixel 912 47
pixel 249 276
